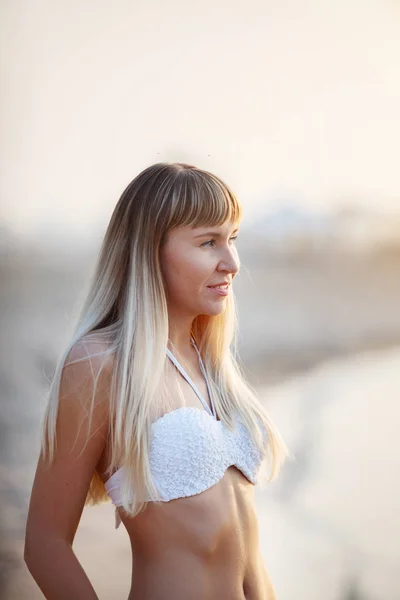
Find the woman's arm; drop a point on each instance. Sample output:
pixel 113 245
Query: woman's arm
pixel 59 490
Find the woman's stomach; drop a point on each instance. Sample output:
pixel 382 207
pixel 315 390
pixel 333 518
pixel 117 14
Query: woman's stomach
pixel 199 547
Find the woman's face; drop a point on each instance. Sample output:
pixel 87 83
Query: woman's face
pixel 192 260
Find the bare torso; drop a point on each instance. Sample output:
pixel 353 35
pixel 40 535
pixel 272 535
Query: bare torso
pixel 201 547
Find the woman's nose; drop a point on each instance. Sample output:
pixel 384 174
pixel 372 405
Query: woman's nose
pixel 231 264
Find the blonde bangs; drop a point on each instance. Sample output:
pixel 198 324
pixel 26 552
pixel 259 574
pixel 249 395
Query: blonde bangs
pixel 203 200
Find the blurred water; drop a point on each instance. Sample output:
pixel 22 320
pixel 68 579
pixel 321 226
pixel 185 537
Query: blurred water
pixel 330 523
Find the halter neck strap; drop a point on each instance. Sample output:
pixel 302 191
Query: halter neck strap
pixel 191 383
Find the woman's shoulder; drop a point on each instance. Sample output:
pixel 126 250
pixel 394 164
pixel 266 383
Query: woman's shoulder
pixel 87 371
pixel 92 352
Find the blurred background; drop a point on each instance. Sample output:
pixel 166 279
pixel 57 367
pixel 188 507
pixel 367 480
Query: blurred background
pixel 295 105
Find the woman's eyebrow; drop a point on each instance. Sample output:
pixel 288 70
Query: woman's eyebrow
pixel 216 234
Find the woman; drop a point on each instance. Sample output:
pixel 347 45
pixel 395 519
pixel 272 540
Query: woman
pixel 149 406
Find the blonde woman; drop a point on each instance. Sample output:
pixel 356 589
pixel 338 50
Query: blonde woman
pixel 149 405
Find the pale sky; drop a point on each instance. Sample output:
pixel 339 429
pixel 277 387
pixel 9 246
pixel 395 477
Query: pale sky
pixel 295 100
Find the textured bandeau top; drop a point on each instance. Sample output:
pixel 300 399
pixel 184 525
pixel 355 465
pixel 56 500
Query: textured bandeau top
pixel 191 450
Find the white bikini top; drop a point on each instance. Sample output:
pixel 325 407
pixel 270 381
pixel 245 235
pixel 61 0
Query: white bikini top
pixel 191 449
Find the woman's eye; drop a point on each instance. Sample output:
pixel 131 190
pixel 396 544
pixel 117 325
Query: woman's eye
pixel 212 242
pixel 209 242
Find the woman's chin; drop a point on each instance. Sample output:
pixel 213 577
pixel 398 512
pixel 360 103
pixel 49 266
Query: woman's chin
pixel 215 310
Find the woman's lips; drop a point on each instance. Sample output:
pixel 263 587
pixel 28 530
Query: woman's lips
pixel 222 290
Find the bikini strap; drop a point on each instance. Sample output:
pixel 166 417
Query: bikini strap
pixel 203 369
pixel 191 383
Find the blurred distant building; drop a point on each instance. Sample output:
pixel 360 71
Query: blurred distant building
pixel 291 231
pixel 367 232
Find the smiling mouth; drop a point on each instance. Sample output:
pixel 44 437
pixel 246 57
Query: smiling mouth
pixel 221 286
pixel 220 290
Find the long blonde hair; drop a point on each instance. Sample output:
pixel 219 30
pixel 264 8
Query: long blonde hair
pixel 125 307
